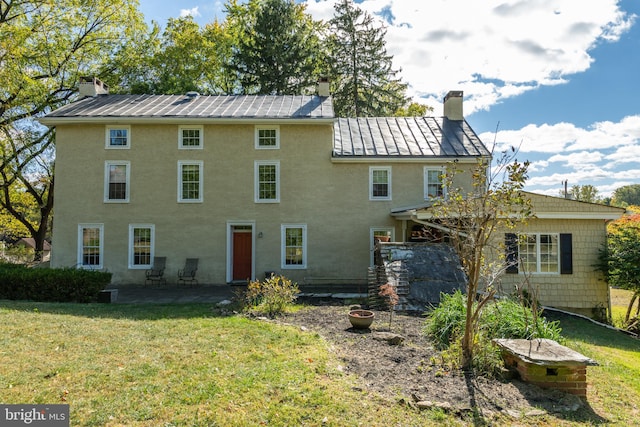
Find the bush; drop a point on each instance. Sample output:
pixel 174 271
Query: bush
pixel 271 296
pixel 504 318
pixel 18 282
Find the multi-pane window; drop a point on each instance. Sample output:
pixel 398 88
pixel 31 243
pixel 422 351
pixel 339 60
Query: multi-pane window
pixel 433 185
pixel 267 137
pixel 539 253
pixel 118 137
pixel 294 246
pixel 141 245
pixel 90 245
pixel 267 185
pixel 380 183
pixel 190 181
pixel 190 137
pixel 116 181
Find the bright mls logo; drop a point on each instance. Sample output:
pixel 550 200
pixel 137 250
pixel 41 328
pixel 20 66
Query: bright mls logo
pixel 34 415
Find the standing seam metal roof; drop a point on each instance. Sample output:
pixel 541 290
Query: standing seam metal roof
pixel 405 137
pixel 388 137
pixel 210 107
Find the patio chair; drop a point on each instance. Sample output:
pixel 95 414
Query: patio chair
pixel 188 273
pixel 156 273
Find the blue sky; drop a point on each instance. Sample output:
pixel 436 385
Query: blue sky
pixel 560 79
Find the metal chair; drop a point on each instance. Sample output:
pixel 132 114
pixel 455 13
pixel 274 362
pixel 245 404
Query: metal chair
pixel 156 273
pixel 188 273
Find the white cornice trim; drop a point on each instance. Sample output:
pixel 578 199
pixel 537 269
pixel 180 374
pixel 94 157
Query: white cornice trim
pixel 54 121
pixel 403 159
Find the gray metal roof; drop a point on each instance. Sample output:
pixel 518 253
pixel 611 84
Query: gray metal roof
pixel 199 107
pixel 404 137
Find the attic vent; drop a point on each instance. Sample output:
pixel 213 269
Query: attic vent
pixel 192 95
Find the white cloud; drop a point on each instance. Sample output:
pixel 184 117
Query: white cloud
pixel 496 49
pixel 190 12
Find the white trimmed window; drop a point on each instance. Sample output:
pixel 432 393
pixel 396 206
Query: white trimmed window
pixel 90 246
pixel 267 138
pixel 267 182
pixel 190 137
pixel 118 137
pixel 380 183
pixel 141 245
pixel 116 181
pixel 433 185
pixel 539 253
pixel 189 181
pixel 294 246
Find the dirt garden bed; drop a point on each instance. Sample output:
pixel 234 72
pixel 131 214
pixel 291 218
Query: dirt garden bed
pixel 412 372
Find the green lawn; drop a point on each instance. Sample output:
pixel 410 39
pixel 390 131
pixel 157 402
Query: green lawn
pixel 181 365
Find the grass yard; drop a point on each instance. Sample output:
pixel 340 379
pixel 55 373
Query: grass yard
pixel 620 299
pixel 180 365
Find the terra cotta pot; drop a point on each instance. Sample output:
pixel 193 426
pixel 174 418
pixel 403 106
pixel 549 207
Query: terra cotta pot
pixel 361 319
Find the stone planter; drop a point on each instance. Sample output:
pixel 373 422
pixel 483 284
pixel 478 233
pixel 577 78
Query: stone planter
pixel 361 319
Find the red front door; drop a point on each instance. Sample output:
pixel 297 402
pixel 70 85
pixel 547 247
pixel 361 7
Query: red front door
pixel 242 255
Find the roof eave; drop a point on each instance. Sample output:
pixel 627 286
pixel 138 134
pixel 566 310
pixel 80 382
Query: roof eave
pixel 54 121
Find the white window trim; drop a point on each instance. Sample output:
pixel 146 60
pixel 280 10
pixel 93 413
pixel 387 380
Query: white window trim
pixel 283 247
pixel 257 137
pixel 425 189
pixel 521 270
pixel 200 164
pixel 109 163
pixel 371 171
pixel 190 147
pixel 107 142
pixel 133 266
pixel 256 174
pixel 81 227
pixel 372 246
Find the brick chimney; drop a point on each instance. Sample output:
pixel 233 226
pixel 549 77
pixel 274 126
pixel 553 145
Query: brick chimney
pixel 92 86
pixel 453 105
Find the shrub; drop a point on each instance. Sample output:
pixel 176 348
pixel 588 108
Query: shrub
pixel 271 296
pixel 18 282
pixel 504 318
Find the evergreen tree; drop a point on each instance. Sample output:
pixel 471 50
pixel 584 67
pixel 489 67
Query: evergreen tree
pixel 363 81
pixel 278 48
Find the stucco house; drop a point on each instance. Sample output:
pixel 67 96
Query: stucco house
pixel 256 184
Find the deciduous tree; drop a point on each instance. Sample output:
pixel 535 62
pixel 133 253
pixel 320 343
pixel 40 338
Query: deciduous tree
pixel 472 219
pixel 45 46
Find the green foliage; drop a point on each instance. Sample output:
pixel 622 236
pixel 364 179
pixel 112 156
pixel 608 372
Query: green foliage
pixel 278 47
pixel 504 318
pixel 271 296
pixel 583 193
pixel 363 82
pixel 51 285
pixel 626 195
pixel 446 322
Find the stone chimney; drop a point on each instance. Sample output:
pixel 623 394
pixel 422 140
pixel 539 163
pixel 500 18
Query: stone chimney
pixel 91 86
pixel 453 105
pixel 323 86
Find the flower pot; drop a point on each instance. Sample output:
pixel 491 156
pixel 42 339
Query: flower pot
pixel 361 319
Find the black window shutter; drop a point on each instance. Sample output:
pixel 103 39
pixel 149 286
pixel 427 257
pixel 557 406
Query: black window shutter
pixel 566 254
pixel 511 245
